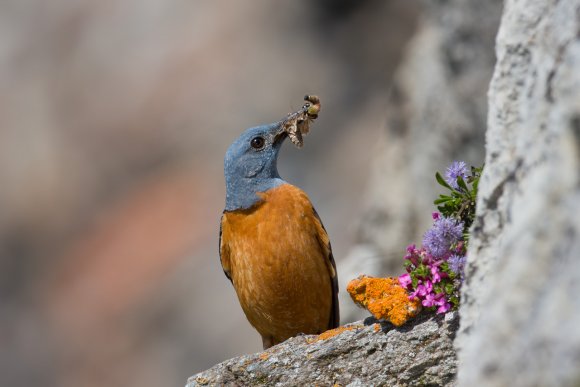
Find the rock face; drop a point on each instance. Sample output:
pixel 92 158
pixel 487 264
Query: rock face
pixel 420 353
pixel 521 311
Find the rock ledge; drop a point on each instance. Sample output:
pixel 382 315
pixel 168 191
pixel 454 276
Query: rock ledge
pixel 418 353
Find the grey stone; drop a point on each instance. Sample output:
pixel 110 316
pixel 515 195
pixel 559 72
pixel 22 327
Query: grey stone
pixel 520 313
pixel 420 353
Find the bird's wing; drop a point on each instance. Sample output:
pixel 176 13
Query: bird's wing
pixel 324 241
pixel 224 253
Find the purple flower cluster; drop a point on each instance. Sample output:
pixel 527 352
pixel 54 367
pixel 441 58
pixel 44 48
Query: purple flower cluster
pixel 455 170
pixel 456 264
pixel 439 238
pixel 433 269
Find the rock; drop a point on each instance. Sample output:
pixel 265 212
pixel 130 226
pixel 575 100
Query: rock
pixel 384 298
pixel 416 354
pixel 520 308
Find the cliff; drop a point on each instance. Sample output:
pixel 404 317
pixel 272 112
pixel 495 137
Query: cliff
pixel 520 313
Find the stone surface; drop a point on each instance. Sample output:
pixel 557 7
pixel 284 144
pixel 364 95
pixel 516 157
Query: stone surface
pixel 419 353
pixel 521 311
pixel 436 113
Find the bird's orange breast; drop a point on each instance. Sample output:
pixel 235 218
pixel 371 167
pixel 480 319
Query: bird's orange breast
pixel 277 256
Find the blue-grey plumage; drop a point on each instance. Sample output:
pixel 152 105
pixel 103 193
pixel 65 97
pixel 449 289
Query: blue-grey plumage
pixel 250 165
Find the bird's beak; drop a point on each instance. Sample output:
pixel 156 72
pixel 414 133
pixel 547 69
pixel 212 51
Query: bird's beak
pixel 279 134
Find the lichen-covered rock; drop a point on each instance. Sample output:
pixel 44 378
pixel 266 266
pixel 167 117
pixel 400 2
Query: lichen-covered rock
pixel 384 298
pixel 419 353
pixel 520 315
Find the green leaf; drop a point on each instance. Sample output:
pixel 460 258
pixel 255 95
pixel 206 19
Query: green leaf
pixel 442 181
pixel 422 270
pixel 462 184
pixel 454 300
pixel 442 199
pixel 475 187
pixel 449 288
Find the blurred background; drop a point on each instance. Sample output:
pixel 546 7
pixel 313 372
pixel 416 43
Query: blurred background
pixel 114 119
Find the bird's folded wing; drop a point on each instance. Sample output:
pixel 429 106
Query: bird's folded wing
pixel 324 241
pixel 224 253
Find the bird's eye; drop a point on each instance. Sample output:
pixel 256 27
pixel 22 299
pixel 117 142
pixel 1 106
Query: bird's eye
pixel 257 142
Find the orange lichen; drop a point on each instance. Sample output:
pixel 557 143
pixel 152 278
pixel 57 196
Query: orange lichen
pixel 384 298
pixel 264 356
pixel 377 327
pixel 334 332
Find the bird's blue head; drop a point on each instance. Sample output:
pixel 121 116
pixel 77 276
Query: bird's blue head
pixel 250 165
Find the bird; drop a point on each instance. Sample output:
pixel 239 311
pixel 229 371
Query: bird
pixel 273 246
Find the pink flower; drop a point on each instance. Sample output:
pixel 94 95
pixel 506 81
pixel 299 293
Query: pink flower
pixel 430 300
pixel 435 215
pixel 413 255
pixel 439 300
pixel 444 306
pixel 405 281
pixel 435 273
pixel 422 289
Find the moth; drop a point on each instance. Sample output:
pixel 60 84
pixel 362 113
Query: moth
pixel 298 123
